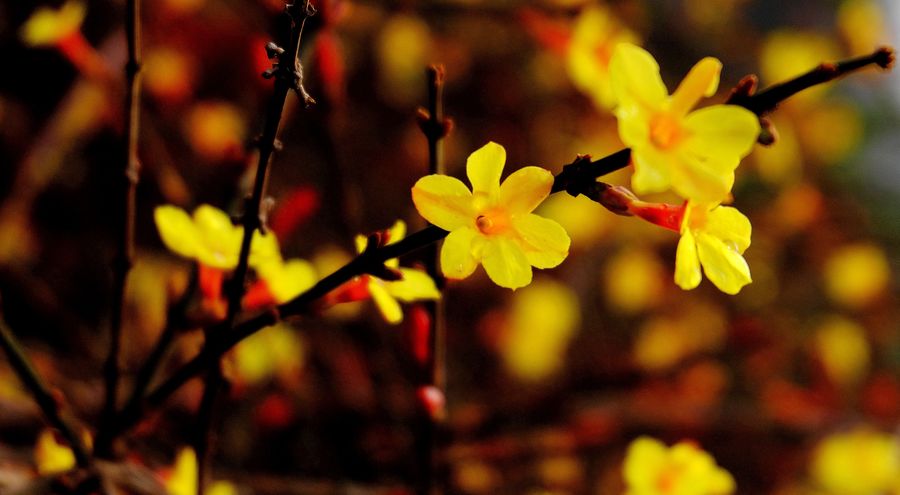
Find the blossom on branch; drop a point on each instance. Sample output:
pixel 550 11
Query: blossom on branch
pixel 415 285
pixel 651 468
pixel 693 153
pixel 48 26
pixel 492 224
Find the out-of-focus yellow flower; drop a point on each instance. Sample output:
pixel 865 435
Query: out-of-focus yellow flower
pixel 829 132
pixel 684 469
pixel 210 238
pixel 48 26
pixel 693 153
pixel 596 34
pixel 858 462
pixel 415 285
pixel 52 457
pixel 492 224
pixel 543 319
pixel 169 73
pixel 276 350
pixel 843 349
pixel 715 238
pixel 787 54
pixel 862 24
pixel 783 162
pixel 183 478
pixel 856 274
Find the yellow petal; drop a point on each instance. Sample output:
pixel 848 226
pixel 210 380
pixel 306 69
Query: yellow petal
pixel 646 457
pixel 544 242
pixel 458 255
pixel 288 280
pixel 415 285
pixel 221 238
pixel 721 131
pixel 444 201
pixel 397 231
pixel 263 249
pixel 505 263
pixel 386 304
pixel 731 226
pixel 177 230
pixel 47 26
pixel 525 189
pixel 705 181
pixel 360 241
pixel 634 125
pixel 635 78
pixel 183 480
pixel 723 266
pixel 651 170
pixel 50 456
pixel 484 166
pixel 687 262
pixel 212 221
pixel 702 80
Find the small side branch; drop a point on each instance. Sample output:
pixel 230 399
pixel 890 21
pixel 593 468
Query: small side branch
pixel 125 255
pixel 23 368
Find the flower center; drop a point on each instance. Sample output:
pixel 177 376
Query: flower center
pixel 665 131
pixel 492 222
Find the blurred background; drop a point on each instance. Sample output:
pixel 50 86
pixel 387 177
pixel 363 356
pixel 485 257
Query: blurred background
pixel 547 385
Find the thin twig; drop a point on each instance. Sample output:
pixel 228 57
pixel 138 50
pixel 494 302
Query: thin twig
pixel 125 257
pixel 23 368
pixel 435 127
pixel 576 177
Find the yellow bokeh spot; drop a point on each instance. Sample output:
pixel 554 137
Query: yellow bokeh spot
pixel 857 274
pixel 830 132
pixel 633 280
pixel 183 478
pixel 787 54
pixel 273 351
pixel 843 349
pixel 47 26
pixel 586 221
pixel 543 319
pixel 651 468
pixel 665 341
pixel 857 462
pixel 403 48
pixel 168 73
pixel 216 130
pixel 52 457
pixel 862 24
pixel 781 163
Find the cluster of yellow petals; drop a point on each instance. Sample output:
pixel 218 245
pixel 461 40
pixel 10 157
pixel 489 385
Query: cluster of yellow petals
pixel 211 238
pixel 651 468
pixel 48 26
pixel 50 456
pixel 714 238
pixel 492 224
pixel 416 285
pixel 693 153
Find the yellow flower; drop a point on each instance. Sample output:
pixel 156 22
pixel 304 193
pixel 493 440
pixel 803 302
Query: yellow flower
pixel 684 469
pixel 694 153
pixel 285 280
pixel 715 238
pixel 210 238
pixel 415 285
pixel 48 26
pixel 183 479
pixel 595 35
pixel 857 462
pixel 50 456
pixel 493 224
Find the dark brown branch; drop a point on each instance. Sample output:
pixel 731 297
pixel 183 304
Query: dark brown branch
pixel 768 99
pixel 21 365
pixel 435 127
pixel 578 177
pixel 288 76
pixel 125 255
